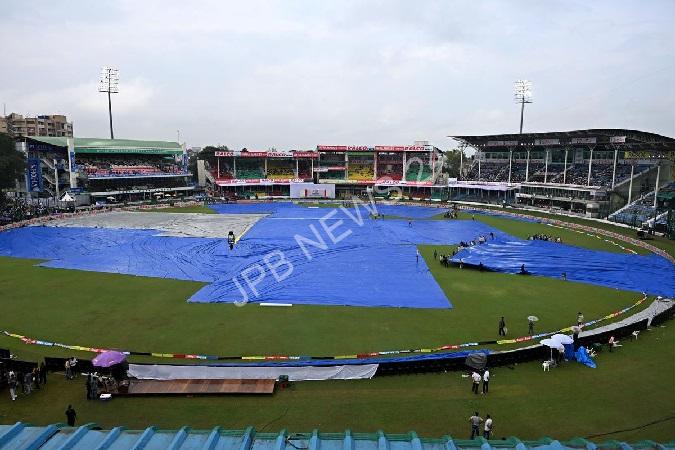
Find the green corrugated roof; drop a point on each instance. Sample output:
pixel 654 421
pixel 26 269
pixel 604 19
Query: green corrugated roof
pixel 115 145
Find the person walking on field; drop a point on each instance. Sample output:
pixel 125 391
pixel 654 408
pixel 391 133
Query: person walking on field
pixel 43 373
pixel 486 381
pixel 502 327
pixel 475 378
pixel 71 415
pixel 11 380
pixel 487 431
pixel 530 327
pixel 28 382
pixel 475 421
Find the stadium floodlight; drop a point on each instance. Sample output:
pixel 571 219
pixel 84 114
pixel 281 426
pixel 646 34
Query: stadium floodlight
pixel 109 82
pixel 522 94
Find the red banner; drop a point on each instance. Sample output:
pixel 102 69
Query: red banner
pixel 399 148
pixel 312 155
pixel 343 148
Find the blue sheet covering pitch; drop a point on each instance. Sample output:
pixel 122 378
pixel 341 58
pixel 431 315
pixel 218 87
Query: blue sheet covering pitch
pixel 651 274
pixel 374 264
pixel 370 263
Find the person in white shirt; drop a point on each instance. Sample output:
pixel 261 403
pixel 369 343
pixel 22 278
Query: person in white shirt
pixel 475 377
pixel 486 381
pixel 487 430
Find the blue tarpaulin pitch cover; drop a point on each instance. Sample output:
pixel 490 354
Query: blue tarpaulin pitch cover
pixel 374 263
pixel 652 274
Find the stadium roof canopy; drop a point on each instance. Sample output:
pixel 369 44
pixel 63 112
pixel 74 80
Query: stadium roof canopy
pixel 21 436
pixel 95 145
pixel 627 139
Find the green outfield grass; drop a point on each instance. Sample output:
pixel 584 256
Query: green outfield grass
pixel 663 243
pixel 630 388
pixel 151 314
pixel 523 230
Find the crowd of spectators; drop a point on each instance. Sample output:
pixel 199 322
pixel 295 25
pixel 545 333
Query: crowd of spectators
pixel 601 173
pixel 544 237
pixel 16 209
pixel 136 166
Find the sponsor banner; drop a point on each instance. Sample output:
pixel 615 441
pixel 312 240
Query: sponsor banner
pixel 343 148
pixel 40 147
pixel 71 160
pixel 267 154
pixel 417 183
pixel 590 140
pixel 312 155
pixel 258 181
pixel 617 139
pixel 547 142
pixel 501 143
pixel 321 169
pixel 399 148
pixel 647 155
pixel 333 181
pixel 34 175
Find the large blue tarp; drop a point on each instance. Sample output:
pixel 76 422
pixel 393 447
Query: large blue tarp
pixel 652 274
pixel 371 263
pixel 375 264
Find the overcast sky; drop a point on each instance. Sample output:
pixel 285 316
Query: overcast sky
pixel 294 74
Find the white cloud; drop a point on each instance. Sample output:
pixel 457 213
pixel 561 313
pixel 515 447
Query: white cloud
pixel 294 74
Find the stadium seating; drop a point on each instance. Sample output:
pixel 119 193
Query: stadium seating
pixel 280 169
pixel 418 172
pixel 640 210
pixel 304 169
pixel 601 173
pixel 361 171
pixel 118 166
pixel 334 175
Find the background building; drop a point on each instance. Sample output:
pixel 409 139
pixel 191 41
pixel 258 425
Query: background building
pixel 16 125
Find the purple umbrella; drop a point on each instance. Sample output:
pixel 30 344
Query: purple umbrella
pixel 109 358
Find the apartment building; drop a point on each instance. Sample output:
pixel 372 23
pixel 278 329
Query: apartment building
pixel 16 125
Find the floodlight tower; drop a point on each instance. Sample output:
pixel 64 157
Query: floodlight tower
pixel 523 94
pixel 109 82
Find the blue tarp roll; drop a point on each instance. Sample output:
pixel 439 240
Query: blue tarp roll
pixel 583 357
pixel 652 274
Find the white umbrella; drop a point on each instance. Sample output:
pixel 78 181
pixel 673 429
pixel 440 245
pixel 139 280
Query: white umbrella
pixel 551 343
pixel 562 338
pixel 533 318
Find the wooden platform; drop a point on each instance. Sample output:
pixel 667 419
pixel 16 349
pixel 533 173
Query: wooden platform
pixel 199 387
